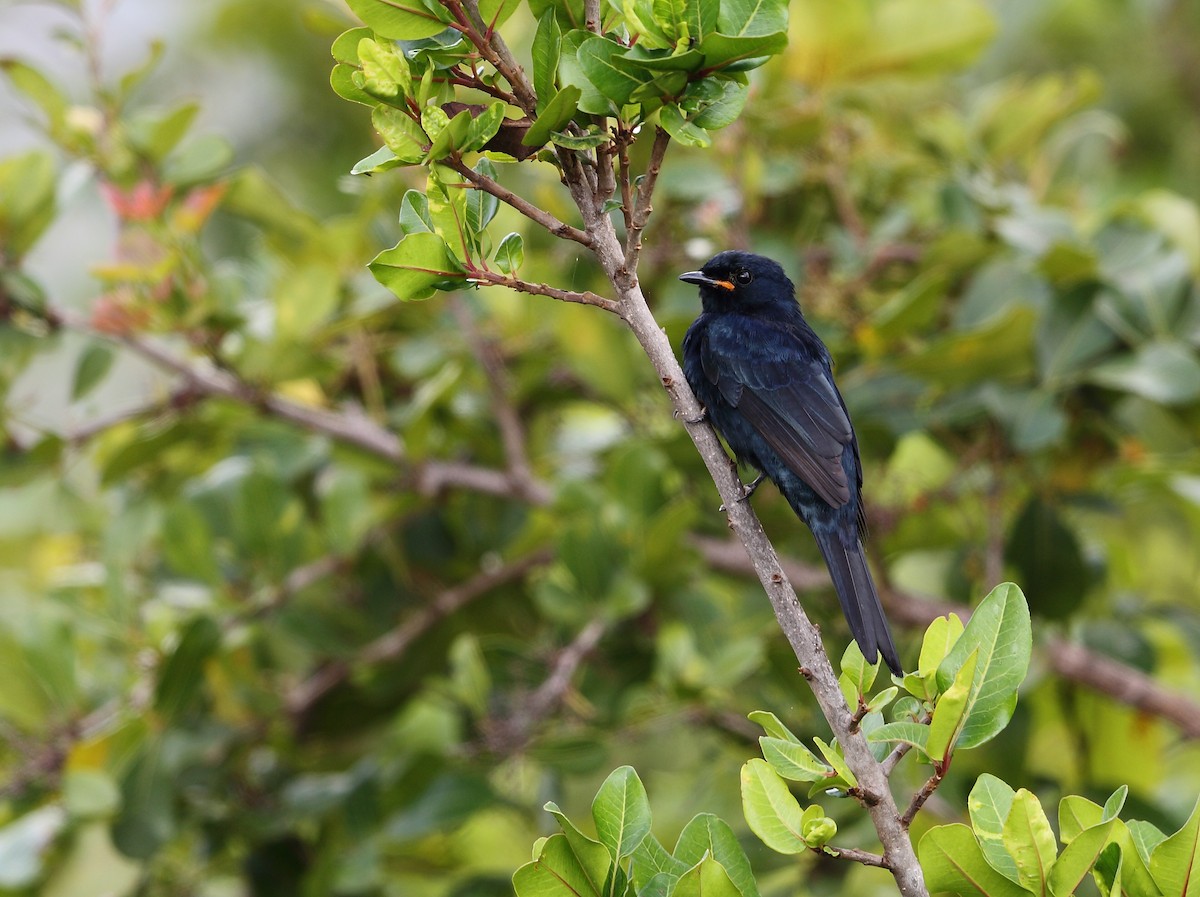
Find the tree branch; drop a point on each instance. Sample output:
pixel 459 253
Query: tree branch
pixel 513 731
pixel 540 289
pixel 641 206
pixel 526 208
pixel 855 855
pixel 392 645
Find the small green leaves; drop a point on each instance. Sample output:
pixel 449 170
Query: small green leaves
pixel 1030 842
pixel 621 812
pixel 401 19
pixel 558 112
pixel 93 364
pixel 999 630
pixel 1174 862
pixel 418 266
pixel 510 254
pixel 952 861
pixel 400 134
pixel 793 760
pixel 26 201
pixel 385 72
pixel 771 810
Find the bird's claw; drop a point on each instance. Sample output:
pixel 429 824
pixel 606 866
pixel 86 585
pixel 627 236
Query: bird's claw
pixel 698 419
pixel 748 489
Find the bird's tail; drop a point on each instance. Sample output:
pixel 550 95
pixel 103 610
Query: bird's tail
pixel 860 603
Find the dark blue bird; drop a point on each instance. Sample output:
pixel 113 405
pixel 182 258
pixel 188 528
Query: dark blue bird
pixel 766 381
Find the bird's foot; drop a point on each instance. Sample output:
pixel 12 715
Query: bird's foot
pixel 698 419
pixel 748 489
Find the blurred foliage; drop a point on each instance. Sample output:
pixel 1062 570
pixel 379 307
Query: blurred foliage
pixel 992 215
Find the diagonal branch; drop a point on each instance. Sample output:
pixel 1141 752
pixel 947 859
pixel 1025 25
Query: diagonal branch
pixel 522 205
pixel 392 645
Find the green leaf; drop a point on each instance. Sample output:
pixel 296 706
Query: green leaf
pixel 496 12
pixel 345 46
pixel 752 18
pixel 383 159
pixel 708 878
pixel 555 872
pixel 155 134
pixel 400 19
pixel 999 350
pixel 1175 861
pixel 990 803
pixel 596 57
pixel 1112 806
pixel 833 756
pixel 1077 814
pixel 385 72
pixel 591 138
pixel 1029 840
pixel 414 213
pixel 723 52
pixel 558 112
pixel 27 188
pixel 709 835
pixel 1163 371
pixel 999 630
pixel 510 254
pixel 483 127
pixel 952 861
pixel 817 828
pixel 41 90
pixel 417 267
pixel 571 73
pixel 95 361
pixel 1145 837
pixel 940 637
pixel 950 712
pixel 1078 858
pixel 181 676
pixel 592 856
pixel 401 134
pixel 771 810
pixel 793 760
pixel 859 674
pixel 479 206
pixel 651 860
pixel 675 123
pixel 906 732
pixel 721 101
pixel 771 725
pixel 621 811
pixel 546 50
pixel 343 80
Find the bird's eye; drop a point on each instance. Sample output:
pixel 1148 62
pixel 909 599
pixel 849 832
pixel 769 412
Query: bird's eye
pixel 743 277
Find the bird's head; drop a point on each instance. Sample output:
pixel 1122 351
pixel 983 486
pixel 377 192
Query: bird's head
pixel 739 281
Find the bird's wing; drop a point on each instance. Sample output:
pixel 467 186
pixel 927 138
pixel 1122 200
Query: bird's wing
pixel 788 396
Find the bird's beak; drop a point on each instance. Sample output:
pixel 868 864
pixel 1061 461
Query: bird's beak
pixel 701 279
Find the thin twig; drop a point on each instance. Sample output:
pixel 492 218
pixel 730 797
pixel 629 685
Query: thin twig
pixel 540 289
pixel 921 796
pixel 392 645
pixel 858 856
pixel 511 733
pixel 512 431
pixel 642 204
pixel 526 208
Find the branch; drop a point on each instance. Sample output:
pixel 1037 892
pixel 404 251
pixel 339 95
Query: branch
pixel 526 208
pixel 540 289
pixel 493 48
pixel 392 645
pixel 512 431
pixel 177 399
pixel 513 732
pixel 855 855
pixel 641 206
pixel 923 795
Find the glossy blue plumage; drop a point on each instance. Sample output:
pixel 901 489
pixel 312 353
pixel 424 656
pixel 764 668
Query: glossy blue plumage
pixel 766 381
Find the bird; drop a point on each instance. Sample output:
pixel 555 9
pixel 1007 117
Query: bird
pixel 765 381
